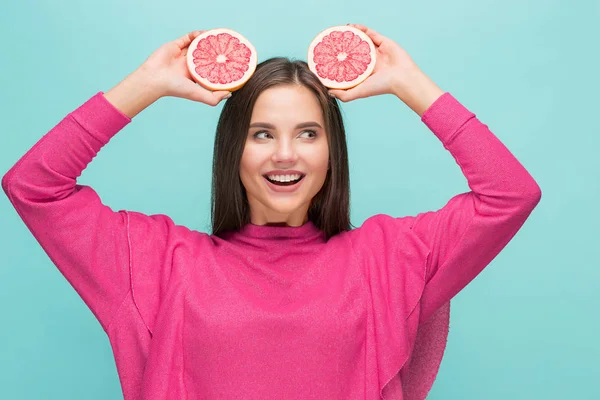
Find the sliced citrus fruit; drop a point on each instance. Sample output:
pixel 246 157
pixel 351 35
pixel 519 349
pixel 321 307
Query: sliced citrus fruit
pixel 221 59
pixel 342 56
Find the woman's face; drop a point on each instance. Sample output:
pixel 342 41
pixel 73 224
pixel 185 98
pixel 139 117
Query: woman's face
pixel 286 139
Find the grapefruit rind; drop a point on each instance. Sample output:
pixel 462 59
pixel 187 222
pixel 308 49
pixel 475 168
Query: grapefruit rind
pixel 231 86
pixel 333 84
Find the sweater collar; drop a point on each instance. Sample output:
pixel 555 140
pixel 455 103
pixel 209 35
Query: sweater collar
pixel 306 232
pixel 276 239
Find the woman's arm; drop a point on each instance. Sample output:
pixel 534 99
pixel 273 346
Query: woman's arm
pixel 473 227
pixel 85 239
pixel 134 94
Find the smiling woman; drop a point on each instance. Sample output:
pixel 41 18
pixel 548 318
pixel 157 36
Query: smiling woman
pixel 284 146
pixel 281 126
pixel 283 299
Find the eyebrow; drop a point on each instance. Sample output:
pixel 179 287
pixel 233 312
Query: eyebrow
pixel 309 124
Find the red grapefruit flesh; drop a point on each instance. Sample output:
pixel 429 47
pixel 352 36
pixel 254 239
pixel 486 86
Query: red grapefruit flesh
pixel 342 57
pixel 221 59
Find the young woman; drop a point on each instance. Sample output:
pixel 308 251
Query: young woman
pixel 284 299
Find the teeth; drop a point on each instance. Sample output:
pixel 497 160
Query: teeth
pixel 284 178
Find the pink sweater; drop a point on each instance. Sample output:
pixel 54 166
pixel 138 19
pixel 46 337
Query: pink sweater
pixel 271 312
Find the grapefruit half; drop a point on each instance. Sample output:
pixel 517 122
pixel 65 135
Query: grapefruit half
pixel 342 57
pixel 221 59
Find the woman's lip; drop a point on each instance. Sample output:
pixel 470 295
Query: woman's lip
pixel 284 172
pixel 284 189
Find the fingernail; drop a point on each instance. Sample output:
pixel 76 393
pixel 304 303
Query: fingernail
pixel 331 94
pixel 226 97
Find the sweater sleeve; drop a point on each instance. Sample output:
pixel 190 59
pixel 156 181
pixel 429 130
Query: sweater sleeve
pixel 455 243
pixel 85 239
pixel 467 233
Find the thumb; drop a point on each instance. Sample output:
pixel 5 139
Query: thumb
pixel 222 94
pixel 214 98
pixel 198 93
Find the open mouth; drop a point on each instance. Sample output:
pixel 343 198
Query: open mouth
pixel 290 183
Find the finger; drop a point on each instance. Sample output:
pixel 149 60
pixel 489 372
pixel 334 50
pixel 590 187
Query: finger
pixel 375 37
pixel 221 95
pixel 198 93
pixel 357 92
pixel 184 41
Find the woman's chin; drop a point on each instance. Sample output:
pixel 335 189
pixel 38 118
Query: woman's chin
pixel 285 210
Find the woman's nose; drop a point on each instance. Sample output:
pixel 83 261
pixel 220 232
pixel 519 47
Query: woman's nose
pixel 285 151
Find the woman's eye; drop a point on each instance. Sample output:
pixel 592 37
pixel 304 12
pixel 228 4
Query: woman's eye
pixel 265 135
pixel 312 134
pixel 257 135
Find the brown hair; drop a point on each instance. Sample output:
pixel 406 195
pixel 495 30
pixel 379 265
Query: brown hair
pixel 330 208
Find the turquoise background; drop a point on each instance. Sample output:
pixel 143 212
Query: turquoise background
pixel 526 328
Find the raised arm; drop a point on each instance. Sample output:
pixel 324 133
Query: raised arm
pixel 85 239
pixel 467 233
pixel 472 228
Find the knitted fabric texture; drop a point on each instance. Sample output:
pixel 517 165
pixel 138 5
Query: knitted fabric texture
pixel 271 312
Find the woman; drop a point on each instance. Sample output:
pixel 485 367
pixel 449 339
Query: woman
pixel 283 299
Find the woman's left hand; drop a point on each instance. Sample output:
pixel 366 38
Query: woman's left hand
pixel 395 73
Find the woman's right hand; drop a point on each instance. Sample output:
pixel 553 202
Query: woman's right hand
pixel 164 73
pixel 169 68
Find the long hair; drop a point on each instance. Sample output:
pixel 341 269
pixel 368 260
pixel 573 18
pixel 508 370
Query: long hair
pixel 330 208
